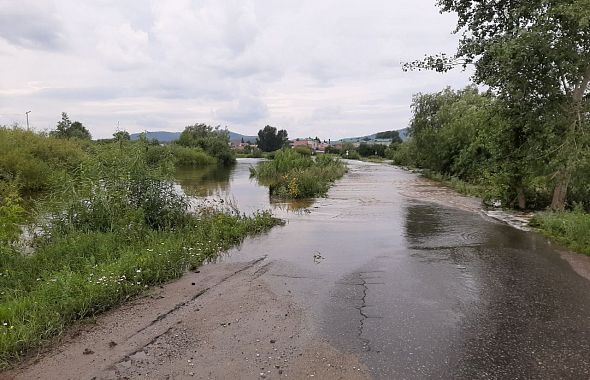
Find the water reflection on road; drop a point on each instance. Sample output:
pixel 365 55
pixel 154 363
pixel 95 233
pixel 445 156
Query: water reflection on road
pixel 419 290
pixel 233 184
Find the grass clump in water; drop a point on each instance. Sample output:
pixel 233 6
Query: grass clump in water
pixel 570 228
pixel 294 175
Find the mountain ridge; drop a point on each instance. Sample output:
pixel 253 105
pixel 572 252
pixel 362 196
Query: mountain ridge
pixel 166 136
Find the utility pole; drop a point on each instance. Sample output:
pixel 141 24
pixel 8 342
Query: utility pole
pixel 27 113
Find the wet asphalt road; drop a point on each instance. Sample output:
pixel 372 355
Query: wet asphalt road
pixel 418 290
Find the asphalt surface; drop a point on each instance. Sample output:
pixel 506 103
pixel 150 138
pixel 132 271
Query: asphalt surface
pixel 418 289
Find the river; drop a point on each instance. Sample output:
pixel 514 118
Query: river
pixel 417 289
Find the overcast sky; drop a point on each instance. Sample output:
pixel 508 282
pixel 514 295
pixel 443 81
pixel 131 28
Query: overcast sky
pixel 329 68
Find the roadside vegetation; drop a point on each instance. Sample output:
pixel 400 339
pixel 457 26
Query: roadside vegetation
pixel 294 175
pixel 571 229
pixel 106 223
pixel 525 141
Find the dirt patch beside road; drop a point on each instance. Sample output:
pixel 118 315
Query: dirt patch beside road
pixel 223 322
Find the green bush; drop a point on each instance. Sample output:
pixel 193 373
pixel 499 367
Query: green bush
pixel 36 161
pixel 304 150
pixel 214 141
pixel 293 175
pixel 352 155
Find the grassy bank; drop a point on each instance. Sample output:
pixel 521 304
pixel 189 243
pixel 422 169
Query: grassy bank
pixel 571 229
pixel 105 229
pixel 294 175
pixel 81 274
pixel 456 184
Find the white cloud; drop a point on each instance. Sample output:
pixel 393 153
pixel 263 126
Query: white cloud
pixel 122 47
pixel 328 67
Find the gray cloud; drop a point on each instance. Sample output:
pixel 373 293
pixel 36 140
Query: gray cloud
pixel 328 68
pixel 243 111
pixel 30 25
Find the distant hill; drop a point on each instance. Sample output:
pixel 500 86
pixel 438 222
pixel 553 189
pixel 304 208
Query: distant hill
pixel 164 136
pixel 403 133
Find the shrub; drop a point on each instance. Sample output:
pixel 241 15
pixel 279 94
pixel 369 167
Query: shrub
pixel 304 150
pixel 36 161
pixel 214 141
pixel 293 175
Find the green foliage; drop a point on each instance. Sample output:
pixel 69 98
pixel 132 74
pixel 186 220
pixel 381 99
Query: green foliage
pixel 66 129
pixel 113 227
pixel 350 154
pixel 366 150
pixel 270 140
pixel 181 156
pixel 535 56
pixel 117 189
pixel 468 137
pixel 293 175
pixel 332 150
pixel 82 274
pixel 213 141
pixel 121 136
pixel 304 150
pixel 37 161
pixel 12 214
pixel 393 135
pixel 568 228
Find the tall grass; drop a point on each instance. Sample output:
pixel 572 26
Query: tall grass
pixel 110 228
pixel 294 175
pixel 36 161
pixel 182 156
pixel 569 228
pixel 457 184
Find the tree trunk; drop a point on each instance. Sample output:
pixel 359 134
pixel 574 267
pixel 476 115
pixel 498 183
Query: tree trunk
pixel 521 197
pixel 560 191
pixel 564 175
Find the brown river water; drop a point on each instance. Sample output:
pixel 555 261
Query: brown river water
pixel 413 281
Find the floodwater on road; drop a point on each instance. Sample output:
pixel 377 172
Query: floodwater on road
pixel 233 186
pixel 417 289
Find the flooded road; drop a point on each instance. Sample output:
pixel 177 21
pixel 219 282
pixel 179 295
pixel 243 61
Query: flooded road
pixel 419 290
pixel 234 187
pixel 388 277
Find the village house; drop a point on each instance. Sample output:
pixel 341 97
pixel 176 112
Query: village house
pixel 308 142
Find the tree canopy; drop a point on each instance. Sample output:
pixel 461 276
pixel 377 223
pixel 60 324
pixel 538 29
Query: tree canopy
pixel 66 129
pixel 270 140
pixel 535 56
pixel 122 136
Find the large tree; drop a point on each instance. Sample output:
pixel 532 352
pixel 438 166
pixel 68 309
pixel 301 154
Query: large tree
pixel 66 129
pixel 535 55
pixel 270 140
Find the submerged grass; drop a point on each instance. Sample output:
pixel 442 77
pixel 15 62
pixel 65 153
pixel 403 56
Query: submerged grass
pixel 571 229
pixel 294 175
